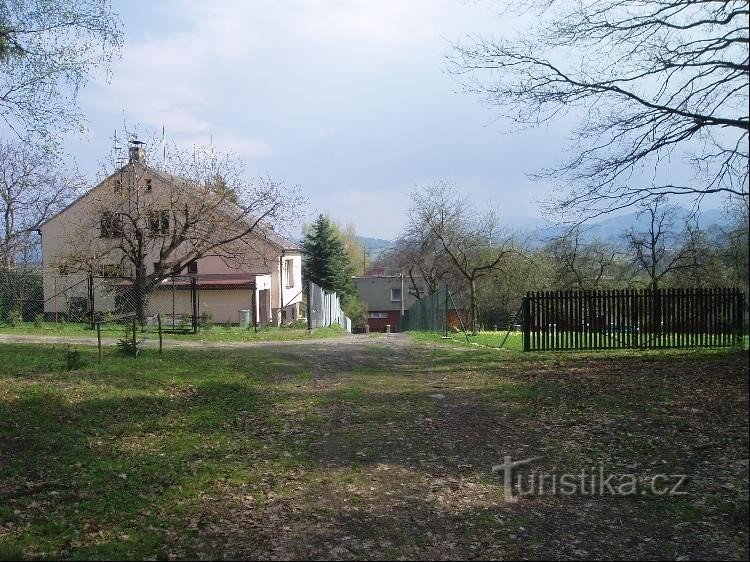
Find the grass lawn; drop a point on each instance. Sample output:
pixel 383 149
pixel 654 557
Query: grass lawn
pixel 217 333
pixel 514 340
pixel 367 448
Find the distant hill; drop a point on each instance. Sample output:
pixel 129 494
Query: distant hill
pixel 537 230
pixel 609 228
pixel 374 246
pixel 374 243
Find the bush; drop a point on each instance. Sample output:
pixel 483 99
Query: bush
pixel 206 321
pixel 126 344
pixel 185 323
pixel 38 319
pixel 14 317
pixel 297 324
pixel 356 310
pixel 73 359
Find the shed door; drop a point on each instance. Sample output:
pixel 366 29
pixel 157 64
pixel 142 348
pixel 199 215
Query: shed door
pixel 264 305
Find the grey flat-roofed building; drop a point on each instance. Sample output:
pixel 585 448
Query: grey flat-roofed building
pixel 382 295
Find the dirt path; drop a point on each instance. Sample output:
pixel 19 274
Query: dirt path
pixel 370 447
pixel 333 345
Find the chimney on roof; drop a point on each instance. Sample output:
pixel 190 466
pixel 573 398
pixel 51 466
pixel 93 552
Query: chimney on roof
pixel 136 151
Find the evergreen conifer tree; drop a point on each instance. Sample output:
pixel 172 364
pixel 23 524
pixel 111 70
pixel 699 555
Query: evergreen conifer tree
pixel 326 262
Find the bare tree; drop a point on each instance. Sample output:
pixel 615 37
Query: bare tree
pixel 580 264
pixel 420 255
pixel 152 221
pixel 48 49
pixel 736 237
pixel 470 239
pixel 649 83
pixel 34 184
pixel 663 249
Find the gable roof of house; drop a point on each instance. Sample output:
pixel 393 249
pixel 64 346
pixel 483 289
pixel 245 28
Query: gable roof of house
pixel 266 231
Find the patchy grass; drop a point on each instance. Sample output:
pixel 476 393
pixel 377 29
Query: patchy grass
pixel 514 343
pixel 366 448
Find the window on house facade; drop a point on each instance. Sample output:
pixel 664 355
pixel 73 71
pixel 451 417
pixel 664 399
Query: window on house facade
pixel 109 225
pixel 158 222
pixel 289 264
pixel 192 267
pixel 148 185
pixel 395 295
pixel 377 315
pixel 118 185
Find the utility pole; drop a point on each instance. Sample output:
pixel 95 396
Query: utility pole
pixel 402 291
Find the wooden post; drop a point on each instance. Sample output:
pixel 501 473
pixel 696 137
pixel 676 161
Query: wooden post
pixel 526 323
pixel 634 320
pixel 158 323
pixel 99 339
pixel 740 303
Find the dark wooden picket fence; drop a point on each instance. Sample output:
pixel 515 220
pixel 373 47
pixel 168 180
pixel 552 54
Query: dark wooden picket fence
pixel 612 319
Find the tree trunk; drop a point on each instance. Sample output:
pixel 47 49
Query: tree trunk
pixel 473 306
pixel 139 294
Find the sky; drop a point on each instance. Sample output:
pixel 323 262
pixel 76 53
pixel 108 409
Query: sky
pixel 350 100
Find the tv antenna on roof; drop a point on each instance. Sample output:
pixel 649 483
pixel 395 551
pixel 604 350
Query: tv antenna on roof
pixel 117 151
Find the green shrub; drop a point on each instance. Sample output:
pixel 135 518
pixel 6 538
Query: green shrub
pixel 73 359
pixel 206 321
pixel 38 320
pixel 125 344
pixel 185 322
pixel 356 310
pixel 14 317
pixel 297 324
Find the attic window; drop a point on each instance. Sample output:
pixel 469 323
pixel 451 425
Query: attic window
pixel 158 222
pixel 148 185
pixel 192 267
pixel 109 225
pixel 118 185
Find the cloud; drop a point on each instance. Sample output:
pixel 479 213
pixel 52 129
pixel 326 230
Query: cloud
pixel 340 97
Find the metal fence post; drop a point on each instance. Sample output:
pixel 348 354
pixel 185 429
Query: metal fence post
pixel 445 327
pixel 135 342
pixel 99 339
pixel 91 299
pixel 194 294
pixel 158 320
pixel 308 285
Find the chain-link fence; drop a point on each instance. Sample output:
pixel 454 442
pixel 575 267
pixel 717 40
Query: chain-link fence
pixel 21 295
pixel 436 312
pixel 184 303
